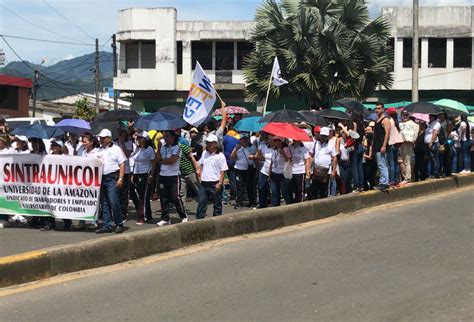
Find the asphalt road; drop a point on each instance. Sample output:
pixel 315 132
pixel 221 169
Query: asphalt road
pixel 406 262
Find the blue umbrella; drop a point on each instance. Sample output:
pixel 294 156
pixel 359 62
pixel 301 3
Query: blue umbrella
pixel 75 126
pixel 160 121
pixel 250 124
pixel 38 131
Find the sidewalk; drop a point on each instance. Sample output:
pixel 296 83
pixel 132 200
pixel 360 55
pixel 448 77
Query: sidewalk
pixel 16 239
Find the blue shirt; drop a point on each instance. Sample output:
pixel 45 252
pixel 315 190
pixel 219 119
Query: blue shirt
pixel 229 144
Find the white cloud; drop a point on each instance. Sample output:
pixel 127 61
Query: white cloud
pixel 68 57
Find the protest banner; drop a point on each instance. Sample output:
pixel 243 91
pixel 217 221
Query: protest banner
pixel 201 98
pixel 60 186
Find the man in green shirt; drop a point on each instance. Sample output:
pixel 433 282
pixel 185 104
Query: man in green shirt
pixel 189 169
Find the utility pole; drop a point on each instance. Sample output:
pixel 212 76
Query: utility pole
pixel 97 77
pixel 114 50
pixel 35 90
pixel 414 58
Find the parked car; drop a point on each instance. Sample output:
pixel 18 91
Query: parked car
pixel 15 122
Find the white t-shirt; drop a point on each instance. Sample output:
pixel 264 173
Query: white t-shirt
pixel 23 151
pixel 243 162
pixel 212 166
pixel 129 146
pixel 309 146
pixel 168 170
pixel 84 152
pixel 435 125
pixel 141 160
pixel 323 154
pixel 70 148
pixel 112 157
pixel 278 161
pixel 267 152
pixel 299 154
pixel 7 151
pixel 463 127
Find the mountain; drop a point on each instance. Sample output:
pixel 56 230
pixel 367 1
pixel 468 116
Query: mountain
pixel 66 77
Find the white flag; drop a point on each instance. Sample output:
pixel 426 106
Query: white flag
pixel 276 74
pixel 201 98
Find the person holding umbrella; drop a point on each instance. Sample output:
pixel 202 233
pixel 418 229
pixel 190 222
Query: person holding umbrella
pixel 301 165
pixel 112 180
pixel 325 160
pixel 279 185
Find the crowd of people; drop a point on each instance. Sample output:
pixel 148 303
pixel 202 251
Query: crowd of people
pixel 216 164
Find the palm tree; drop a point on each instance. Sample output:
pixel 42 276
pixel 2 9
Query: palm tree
pixel 327 49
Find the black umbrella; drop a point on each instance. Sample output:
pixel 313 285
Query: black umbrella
pixel 96 127
pixel 314 119
pixel 352 105
pixel 423 108
pixel 117 116
pixel 172 109
pixel 160 121
pixel 451 112
pixel 284 116
pixel 333 114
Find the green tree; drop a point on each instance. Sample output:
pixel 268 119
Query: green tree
pixel 83 111
pixel 327 50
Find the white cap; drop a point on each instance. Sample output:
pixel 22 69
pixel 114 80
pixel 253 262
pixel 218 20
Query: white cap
pixel 244 135
pixel 324 131
pixel 212 138
pixel 58 142
pixel 104 133
pixel 143 134
pixel 22 138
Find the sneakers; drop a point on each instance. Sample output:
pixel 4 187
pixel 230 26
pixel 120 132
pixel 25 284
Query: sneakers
pixel 184 220
pixel 3 224
pixel 104 230
pixel 118 230
pixel 163 223
pixel 140 222
pixel 19 218
pixel 464 172
pixel 382 187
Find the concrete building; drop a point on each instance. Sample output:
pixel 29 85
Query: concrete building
pixel 157 55
pixel 14 95
pixel 446 47
pixel 105 101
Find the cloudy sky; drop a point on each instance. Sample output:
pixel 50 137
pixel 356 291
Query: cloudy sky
pixel 81 21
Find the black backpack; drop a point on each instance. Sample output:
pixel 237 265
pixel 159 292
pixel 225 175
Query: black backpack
pixel 442 136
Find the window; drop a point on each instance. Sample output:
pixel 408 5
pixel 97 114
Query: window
pixel 179 58
pixel 9 97
pixel 243 50
pixel 225 55
pixel 148 54
pixel 407 52
pixel 391 51
pixel 437 52
pixel 131 55
pixel 462 52
pixel 202 51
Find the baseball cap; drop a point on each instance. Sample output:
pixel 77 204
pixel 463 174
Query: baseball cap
pixel 143 134
pixel 104 133
pixel 244 135
pixel 391 110
pixel 212 138
pixel 194 130
pixel 317 129
pixel 325 131
pixel 22 138
pixel 57 142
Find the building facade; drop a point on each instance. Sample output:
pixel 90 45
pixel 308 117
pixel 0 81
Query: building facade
pixel 14 96
pixel 157 55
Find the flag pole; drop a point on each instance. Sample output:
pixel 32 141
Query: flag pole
pixel 268 93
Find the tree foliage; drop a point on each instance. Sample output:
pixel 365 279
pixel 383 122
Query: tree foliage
pixel 83 110
pixel 327 49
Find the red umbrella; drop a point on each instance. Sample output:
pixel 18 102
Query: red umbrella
pixel 232 110
pixel 287 131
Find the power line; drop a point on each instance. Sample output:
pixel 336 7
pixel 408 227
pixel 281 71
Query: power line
pixel 48 40
pixel 38 26
pixel 67 19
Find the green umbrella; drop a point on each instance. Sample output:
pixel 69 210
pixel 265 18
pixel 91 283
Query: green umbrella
pixel 454 105
pixel 398 104
pixel 339 108
pixel 470 108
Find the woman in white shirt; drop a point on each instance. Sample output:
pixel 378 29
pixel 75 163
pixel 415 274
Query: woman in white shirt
pixel 264 156
pixel 22 144
pixel 244 155
pixel 464 132
pixel 301 164
pixel 169 155
pixel 143 162
pixel 279 185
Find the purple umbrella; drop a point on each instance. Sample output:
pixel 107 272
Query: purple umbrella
pixel 75 126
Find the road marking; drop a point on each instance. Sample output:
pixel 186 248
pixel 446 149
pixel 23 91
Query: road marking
pixel 22 257
pixel 205 246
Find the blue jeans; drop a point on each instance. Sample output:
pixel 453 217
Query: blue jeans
pixel 279 184
pixel 383 169
pixel 466 155
pixel 433 163
pixel 109 201
pixel 393 167
pixel 207 191
pixel 357 166
pixel 453 153
pixel 345 170
pixel 263 190
pixel 232 183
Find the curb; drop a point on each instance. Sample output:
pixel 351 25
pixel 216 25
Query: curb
pixel 36 265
